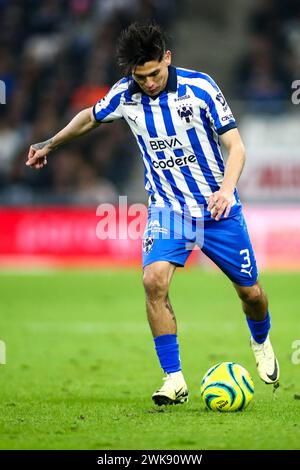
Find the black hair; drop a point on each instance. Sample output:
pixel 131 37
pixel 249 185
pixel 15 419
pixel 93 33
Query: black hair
pixel 140 43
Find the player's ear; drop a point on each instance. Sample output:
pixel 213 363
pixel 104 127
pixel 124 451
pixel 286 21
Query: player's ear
pixel 168 57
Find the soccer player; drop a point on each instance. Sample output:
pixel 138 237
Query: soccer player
pixel 177 117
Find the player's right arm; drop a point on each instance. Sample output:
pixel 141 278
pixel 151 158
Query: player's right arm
pixel 82 123
pixel 107 109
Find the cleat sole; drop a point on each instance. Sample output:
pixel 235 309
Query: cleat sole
pixel 161 400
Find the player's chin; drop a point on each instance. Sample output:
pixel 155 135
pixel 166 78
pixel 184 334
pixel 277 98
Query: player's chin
pixel 154 92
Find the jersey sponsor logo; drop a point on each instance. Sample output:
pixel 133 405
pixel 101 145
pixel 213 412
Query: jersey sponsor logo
pixel 186 112
pixel 227 118
pixel 185 97
pixel 172 162
pixel 164 144
pixel 222 100
pixel 129 103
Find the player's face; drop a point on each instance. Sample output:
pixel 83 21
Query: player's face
pixel 152 76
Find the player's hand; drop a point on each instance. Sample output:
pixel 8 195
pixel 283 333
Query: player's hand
pixel 220 203
pixel 37 155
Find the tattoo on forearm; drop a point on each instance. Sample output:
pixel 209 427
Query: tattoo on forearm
pixel 41 145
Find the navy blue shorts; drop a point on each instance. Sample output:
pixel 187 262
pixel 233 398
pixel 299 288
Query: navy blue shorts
pixel 171 236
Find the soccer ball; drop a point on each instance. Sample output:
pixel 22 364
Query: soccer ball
pixel 227 386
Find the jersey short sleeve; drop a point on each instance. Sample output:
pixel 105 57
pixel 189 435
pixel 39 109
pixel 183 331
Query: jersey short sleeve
pixel 219 109
pixel 109 108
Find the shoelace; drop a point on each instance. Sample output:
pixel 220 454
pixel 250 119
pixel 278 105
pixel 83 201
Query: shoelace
pixel 168 377
pixel 261 349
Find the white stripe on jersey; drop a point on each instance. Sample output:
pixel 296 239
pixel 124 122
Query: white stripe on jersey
pixel 179 180
pixel 177 133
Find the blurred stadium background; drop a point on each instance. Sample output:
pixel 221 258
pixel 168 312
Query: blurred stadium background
pixel 79 351
pixel 57 57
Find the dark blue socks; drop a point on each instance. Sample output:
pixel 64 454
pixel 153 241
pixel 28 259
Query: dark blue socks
pixel 167 349
pixel 259 329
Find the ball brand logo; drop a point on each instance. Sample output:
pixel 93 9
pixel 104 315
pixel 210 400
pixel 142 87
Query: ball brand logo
pixel 185 111
pixel 222 403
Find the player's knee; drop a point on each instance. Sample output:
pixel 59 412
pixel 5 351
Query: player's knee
pixel 155 282
pixel 251 295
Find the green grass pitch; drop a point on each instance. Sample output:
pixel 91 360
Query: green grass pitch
pixel 81 365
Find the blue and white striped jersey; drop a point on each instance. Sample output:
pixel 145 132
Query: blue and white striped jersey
pixel 177 133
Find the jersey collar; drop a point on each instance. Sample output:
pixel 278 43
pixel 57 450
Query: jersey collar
pixel 170 86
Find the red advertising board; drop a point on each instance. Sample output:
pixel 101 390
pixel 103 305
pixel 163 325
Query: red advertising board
pixel 63 236
pixel 70 237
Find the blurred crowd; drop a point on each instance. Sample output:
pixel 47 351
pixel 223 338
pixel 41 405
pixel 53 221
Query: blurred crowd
pixel 264 74
pixel 56 58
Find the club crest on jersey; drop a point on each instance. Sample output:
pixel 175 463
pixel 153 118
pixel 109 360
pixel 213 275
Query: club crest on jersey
pixel 186 112
pixel 148 244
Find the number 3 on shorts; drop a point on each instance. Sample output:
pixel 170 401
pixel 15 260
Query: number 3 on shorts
pixel 246 258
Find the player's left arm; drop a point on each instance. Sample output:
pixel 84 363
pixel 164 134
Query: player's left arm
pixel 220 202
